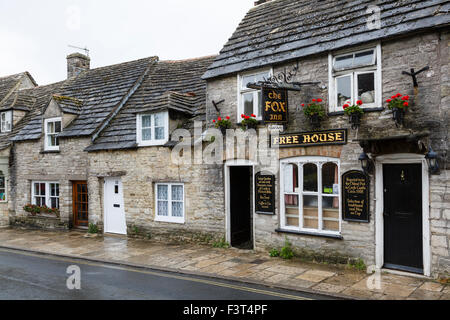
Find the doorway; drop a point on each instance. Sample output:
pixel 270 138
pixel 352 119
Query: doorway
pixel 80 204
pixel 403 248
pixel 114 212
pixel 240 206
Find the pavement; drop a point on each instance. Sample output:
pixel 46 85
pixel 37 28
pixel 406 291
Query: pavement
pixel 231 264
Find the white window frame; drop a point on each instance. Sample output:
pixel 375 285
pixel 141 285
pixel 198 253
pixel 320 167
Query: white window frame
pixel 241 91
pixel 6 189
pixel 46 134
pixel 169 217
pixel 300 162
pixel 6 118
pixel 153 141
pixel 47 192
pixel 333 75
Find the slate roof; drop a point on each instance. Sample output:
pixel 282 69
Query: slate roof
pixel 174 85
pixel 101 92
pixel 284 30
pixel 9 84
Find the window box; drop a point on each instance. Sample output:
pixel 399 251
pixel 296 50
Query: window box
pixel 169 202
pixel 152 129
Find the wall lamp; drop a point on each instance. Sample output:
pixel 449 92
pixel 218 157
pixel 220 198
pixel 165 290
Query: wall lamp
pixel 433 165
pixel 366 163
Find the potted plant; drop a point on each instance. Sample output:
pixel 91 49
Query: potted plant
pixel 222 124
pixel 314 111
pixel 248 122
pixel 32 209
pixel 398 104
pixel 354 113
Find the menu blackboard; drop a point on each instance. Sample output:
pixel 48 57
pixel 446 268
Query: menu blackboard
pixel 355 197
pixel 265 193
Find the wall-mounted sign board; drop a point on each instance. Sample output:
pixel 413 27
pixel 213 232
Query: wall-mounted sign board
pixel 307 139
pixel 275 105
pixel 355 196
pixel 265 193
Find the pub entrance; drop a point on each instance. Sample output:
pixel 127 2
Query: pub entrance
pixel 403 230
pixel 240 206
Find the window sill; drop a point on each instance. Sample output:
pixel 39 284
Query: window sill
pixel 305 233
pixel 169 221
pixel 341 113
pixel 50 151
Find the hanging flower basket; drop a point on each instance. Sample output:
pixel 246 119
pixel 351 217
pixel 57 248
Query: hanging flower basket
pixel 354 113
pixel 398 104
pixel 249 122
pixel 314 111
pixel 222 124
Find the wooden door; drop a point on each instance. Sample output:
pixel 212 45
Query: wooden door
pixel 403 244
pixel 80 204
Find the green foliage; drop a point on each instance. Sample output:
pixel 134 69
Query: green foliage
pixel 221 244
pixel 248 122
pixel 314 108
pixel 398 101
pixel 92 228
pixel 274 253
pixel 34 210
pixel 358 265
pixel 353 109
pixel 135 230
pixel 223 123
pixel 286 252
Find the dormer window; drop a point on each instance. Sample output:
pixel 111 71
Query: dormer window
pixel 52 128
pixel 152 129
pixel 6 121
pixel 250 99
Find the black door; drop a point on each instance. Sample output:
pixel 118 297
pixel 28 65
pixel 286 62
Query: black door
pixel 403 247
pixel 240 207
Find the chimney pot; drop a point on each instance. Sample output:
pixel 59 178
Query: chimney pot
pixel 77 63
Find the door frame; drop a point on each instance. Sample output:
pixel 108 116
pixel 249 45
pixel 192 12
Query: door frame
pixel 74 219
pixel 402 158
pixel 105 202
pixel 238 163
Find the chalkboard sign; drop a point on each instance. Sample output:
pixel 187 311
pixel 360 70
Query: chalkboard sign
pixel 265 193
pixel 275 105
pixel 355 197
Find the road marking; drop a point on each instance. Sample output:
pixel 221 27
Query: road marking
pixel 155 273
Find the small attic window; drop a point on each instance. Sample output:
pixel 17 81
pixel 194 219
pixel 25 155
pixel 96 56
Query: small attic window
pixel 6 121
pixel 152 129
pixel 52 128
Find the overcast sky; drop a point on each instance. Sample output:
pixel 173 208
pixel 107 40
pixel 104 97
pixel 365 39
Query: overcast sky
pixel 34 35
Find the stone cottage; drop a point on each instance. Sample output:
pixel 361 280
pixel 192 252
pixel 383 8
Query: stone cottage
pixel 369 189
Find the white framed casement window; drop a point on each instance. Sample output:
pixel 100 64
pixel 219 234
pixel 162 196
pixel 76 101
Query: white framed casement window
pixel 52 127
pixel 3 189
pixel 6 121
pixel 45 194
pixel 310 195
pixel 355 76
pixel 152 129
pixel 249 100
pixel 169 202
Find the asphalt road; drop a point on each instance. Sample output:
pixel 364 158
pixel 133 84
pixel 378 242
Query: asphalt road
pixel 33 276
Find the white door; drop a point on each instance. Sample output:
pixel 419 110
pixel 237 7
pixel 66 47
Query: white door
pixel 114 210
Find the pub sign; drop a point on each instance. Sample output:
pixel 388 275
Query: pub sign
pixel 275 105
pixel 307 139
pixel 265 193
pixel 355 196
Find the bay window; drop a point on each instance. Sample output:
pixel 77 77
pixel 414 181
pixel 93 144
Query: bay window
pixel 250 99
pixel 355 76
pixel 153 129
pixel 310 195
pixel 45 194
pixel 169 202
pixel 6 121
pixel 52 128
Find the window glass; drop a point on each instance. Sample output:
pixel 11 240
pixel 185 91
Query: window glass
pixel 153 127
pixel 2 189
pixel 366 87
pixel 344 90
pixel 6 121
pixel 292 210
pixel 310 212
pixel 330 178
pixel 344 62
pixel 177 209
pixel 310 177
pixel 248 103
pixel 146 121
pixel 363 58
pixel 170 202
pixel 163 193
pixel 177 192
pixel 163 209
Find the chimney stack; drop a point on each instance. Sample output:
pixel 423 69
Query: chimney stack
pixel 257 3
pixel 76 63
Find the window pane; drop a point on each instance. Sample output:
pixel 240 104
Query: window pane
pixel 330 178
pixel 163 208
pixel 366 87
pixel 163 192
pixel 291 210
pixel 246 80
pixel 42 191
pixel 344 62
pixel 177 209
pixel 261 77
pixel 363 58
pixel 2 182
pixel 146 121
pixel 344 90
pixel 310 177
pixel 54 189
pixel 290 178
pixel 50 127
pixel 159 133
pixel 248 103
pixel 330 209
pixel 54 202
pixel 159 120
pixel 146 134
pixel 58 126
pixel 310 212
pixel 177 193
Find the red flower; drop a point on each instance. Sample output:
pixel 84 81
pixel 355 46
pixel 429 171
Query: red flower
pixel 314 100
pixel 247 117
pixel 253 116
pixel 399 95
pixel 228 118
pixel 406 104
pixel 345 106
pixel 319 100
pixel 359 102
pixel 405 98
pixel 393 97
pixel 303 105
pixel 219 119
pixel 214 121
pixel 242 116
pixel 388 100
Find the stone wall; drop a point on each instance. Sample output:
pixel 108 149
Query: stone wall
pixel 139 170
pixel 428 111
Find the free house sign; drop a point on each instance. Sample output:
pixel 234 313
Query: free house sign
pixel 307 139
